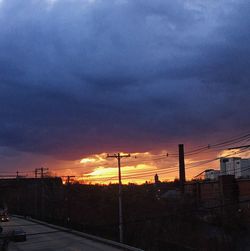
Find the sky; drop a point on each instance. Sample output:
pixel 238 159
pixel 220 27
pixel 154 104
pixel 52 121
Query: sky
pixel 82 78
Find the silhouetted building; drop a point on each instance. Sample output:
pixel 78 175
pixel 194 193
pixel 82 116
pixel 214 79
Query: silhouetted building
pixel 156 179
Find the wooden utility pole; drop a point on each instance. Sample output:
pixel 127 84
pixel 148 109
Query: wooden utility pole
pixel 42 171
pixel 182 176
pixel 118 156
pixel 68 198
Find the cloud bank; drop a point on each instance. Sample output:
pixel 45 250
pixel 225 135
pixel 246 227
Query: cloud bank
pixel 79 77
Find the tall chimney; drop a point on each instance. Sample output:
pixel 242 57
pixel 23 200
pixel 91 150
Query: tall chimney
pixel 182 176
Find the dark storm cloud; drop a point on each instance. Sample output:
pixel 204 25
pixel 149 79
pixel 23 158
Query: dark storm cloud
pixel 79 77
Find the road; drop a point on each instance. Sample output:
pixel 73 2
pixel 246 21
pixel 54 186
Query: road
pixel 40 237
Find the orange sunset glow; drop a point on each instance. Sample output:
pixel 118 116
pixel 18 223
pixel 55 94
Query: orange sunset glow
pixel 142 167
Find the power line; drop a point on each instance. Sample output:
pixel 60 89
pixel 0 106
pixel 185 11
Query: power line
pixel 164 170
pixel 142 174
pixel 216 145
pixel 246 168
pixel 239 147
pixel 161 157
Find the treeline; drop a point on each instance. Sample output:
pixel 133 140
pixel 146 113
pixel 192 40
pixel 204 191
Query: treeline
pixel 151 222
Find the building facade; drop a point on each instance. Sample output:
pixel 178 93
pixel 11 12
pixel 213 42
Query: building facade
pixel 211 174
pixel 236 166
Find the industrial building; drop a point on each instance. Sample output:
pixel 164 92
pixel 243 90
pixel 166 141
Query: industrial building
pixel 236 166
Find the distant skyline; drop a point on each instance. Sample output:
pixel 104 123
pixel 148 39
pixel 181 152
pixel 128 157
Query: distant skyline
pixel 82 78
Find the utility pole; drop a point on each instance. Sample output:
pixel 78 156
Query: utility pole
pixel 36 195
pixel 68 198
pixel 69 178
pixel 182 176
pixel 118 156
pixel 42 171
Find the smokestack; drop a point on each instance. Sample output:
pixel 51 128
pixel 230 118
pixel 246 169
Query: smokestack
pixel 182 176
